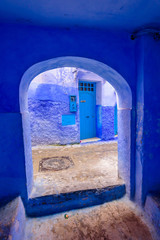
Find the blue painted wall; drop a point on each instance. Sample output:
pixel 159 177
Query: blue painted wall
pixel 48 101
pixel 99 121
pixel 21 47
pixel 107 122
pixel 137 61
pixel 148 117
pixel 151 138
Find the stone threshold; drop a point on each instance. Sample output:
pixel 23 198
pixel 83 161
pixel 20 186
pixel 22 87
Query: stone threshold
pixel 52 204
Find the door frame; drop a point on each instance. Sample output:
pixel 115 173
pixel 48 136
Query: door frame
pixel 94 88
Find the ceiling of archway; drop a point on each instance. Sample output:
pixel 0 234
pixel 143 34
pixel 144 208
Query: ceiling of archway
pixel 120 14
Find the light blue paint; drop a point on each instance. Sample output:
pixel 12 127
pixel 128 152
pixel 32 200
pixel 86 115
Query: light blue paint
pixel 115 121
pixel 87 102
pixel 120 85
pixel 49 97
pixel 48 101
pixel 68 120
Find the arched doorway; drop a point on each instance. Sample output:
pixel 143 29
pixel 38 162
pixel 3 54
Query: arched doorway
pixel 124 108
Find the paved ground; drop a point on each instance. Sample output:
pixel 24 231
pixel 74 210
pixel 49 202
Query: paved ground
pixel 94 166
pixel 117 220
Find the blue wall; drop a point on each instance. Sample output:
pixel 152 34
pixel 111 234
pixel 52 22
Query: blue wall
pixel 48 102
pixel 151 138
pixel 148 117
pixel 99 121
pixel 46 108
pixel 107 122
pixel 21 47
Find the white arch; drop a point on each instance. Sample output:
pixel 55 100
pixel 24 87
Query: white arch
pixel 124 106
pixel 114 78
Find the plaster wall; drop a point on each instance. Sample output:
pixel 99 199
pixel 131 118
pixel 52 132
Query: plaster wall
pixel 148 116
pixel 48 101
pixel 21 47
pixel 151 123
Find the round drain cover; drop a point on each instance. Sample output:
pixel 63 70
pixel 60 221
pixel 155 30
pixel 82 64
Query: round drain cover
pixel 55 164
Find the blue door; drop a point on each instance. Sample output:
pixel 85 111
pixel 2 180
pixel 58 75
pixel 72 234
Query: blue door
pixel 87 103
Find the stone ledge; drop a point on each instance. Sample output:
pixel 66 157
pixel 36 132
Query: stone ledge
pixel 51 204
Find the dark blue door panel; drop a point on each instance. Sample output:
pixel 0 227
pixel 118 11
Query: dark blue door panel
pixel 87 102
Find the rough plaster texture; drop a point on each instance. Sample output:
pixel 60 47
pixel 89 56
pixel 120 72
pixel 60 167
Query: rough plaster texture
pixel 46 123
pixel 48 100
pixel 107 122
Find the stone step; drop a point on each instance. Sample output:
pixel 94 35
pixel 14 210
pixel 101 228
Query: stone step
pixel 52 204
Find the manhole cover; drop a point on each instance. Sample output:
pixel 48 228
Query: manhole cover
pixel 55 164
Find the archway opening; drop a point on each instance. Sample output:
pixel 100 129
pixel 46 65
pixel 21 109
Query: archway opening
pixel 124 103
pixel 73 122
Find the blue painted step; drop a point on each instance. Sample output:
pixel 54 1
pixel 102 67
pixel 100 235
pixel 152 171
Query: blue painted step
pixel 51 204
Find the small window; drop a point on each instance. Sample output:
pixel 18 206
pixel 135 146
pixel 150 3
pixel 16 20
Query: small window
pixel 81 89
pixel 88 89
pixel 81 84
pixel 92 89
pixel 88 84
pixel 85 84
pixel 85 89
pixel 92 85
